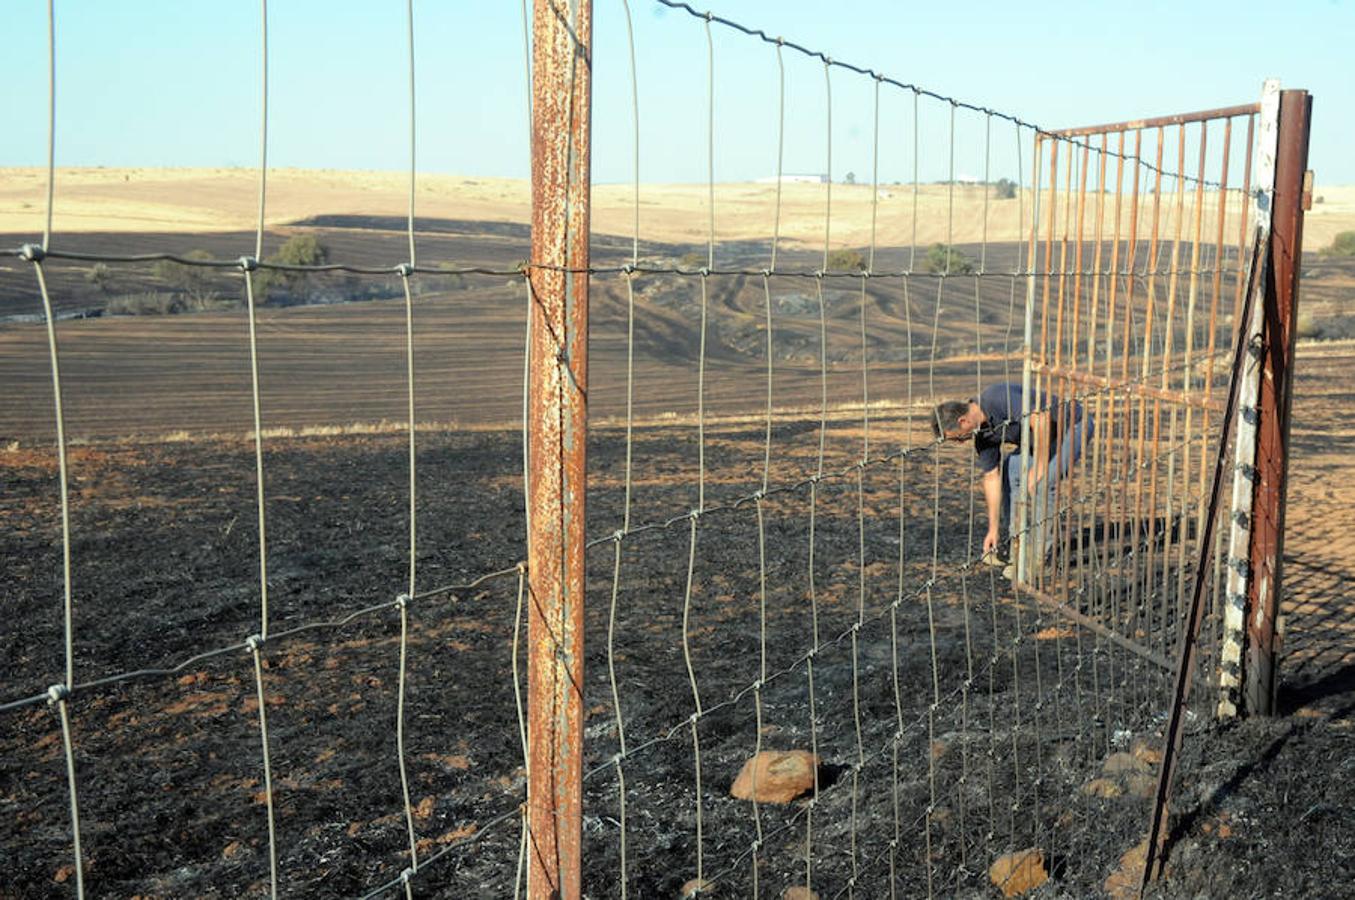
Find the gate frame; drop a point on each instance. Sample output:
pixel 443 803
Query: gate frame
pixel 1281 191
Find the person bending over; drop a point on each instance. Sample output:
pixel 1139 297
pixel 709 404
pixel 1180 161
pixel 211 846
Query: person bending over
pixel 1059 432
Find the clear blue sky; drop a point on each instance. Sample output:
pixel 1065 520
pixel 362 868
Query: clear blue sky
pixel 176 82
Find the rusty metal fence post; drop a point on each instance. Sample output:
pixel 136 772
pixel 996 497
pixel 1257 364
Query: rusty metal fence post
pixel 557 425
pixel 1251 641
pixel 1273 403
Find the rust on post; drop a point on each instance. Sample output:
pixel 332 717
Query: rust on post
pixel 1276 394
pixel 557 411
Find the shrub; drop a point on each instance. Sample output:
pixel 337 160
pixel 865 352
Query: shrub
pixel 1005 189
pixel 846 260
pixel 153 303
pixel 941 258
pixel 164 303
pixel 301 250
pixel 100 276
pixel 1342 245
pixel 187 279
pixel 298 250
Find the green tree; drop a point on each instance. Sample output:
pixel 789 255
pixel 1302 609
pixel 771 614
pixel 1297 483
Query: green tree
pixel 846 260
pixel 943 259
pixel 185 278
pixel 298 250
pixel 1005 189
pixel 851 178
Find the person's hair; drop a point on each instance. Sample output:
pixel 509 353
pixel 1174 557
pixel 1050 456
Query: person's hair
pixel 947 416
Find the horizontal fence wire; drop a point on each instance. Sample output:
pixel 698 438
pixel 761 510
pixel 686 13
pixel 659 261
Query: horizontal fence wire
pixel 32 252
pixel 808 578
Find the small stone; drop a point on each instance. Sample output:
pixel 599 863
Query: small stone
pixel 1124 882
pixel 63 874
pixel 1018 873
pixel 776 776
pixel 1102 787
pixel 1123 764
pixel 695 887
pixel 799 892
pixel 232 850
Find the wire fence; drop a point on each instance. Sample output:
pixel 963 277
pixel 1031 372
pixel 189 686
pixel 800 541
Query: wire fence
pixel 786 561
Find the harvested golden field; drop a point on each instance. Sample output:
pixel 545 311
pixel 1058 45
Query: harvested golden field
pixel 207 200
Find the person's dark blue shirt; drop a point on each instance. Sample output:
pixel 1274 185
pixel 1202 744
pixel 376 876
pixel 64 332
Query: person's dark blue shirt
pixel 1002 410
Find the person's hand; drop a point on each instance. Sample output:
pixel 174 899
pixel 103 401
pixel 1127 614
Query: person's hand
pixel 990 541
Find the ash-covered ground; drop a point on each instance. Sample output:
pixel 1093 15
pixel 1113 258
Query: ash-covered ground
pixel 953 722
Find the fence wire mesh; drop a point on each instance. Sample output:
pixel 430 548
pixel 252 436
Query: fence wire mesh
pixel 782 557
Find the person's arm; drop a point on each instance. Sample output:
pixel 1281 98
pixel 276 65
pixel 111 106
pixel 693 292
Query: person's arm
pixel 1040 424
pixel 992 499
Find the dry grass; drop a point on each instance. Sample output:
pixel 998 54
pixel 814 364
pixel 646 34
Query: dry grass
pixel 198 200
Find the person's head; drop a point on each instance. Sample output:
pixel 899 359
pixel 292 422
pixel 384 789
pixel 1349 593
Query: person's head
pixel 956 420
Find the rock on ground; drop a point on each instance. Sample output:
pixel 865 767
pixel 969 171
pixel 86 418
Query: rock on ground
pixel 1019 872
pixel 776 776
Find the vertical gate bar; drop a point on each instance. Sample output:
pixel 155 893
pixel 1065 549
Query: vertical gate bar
pixel 1092 582
pixel 1222 212
pixel 1244 221
pixel 1168 347
pixel 1130 595
pixel 1141 570
pixel 1077 530
pixel 1188 375
pixel 1109 452
pixel 1032 550
pixel 1244 450
pixel 1051 539
pixel 557 432
pixel 1023 513
pixel 1274 401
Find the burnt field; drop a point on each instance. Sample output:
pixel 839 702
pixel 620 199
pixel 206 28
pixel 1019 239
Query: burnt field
pixel 165 567
pixel 169 766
